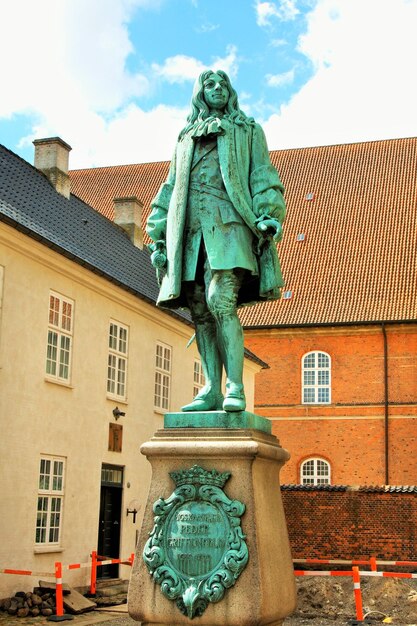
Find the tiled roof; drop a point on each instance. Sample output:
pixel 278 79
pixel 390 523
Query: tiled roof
pixel 314 487
pixel 357 262
pixel 389 488
pixel 365 488
pixel 99 186
pixel 30 203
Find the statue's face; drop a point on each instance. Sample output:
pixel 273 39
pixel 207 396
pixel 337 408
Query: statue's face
pixel 215 91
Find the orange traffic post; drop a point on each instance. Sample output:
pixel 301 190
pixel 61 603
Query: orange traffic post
pixel 132 558
pixel 93 583
pixel 59 597
pixel 58 589
pixel 358 593
pixel 374 566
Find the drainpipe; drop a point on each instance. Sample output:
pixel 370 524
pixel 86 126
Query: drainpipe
pixel 386 432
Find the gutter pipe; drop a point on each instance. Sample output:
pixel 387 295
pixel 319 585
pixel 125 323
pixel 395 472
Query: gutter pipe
pixel 386 422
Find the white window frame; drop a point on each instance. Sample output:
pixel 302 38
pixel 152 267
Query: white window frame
pixel 198 377
pixel 117 360
pixel 163 368
pixel 60 338
pixel 50 501
pixel 315 471
pixel 313 371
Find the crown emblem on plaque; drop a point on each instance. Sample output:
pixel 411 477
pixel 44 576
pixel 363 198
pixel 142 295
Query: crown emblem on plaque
pixel 197 475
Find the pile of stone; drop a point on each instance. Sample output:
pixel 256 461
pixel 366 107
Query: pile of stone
pixel 111 592
pixel 30 604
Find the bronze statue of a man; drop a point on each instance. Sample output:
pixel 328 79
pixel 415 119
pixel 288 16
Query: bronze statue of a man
pixel 213 223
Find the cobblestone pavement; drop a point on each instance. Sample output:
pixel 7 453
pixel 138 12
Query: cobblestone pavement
pixel 118 616
pixel 95 617
pixel 119 619
pixel 108 619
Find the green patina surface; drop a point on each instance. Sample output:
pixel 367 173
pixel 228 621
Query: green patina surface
pixel 196 549
pixel 218 419
pixel 214 225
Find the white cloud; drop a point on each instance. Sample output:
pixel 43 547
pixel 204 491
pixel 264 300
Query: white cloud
pixel 284 10
pixel 181 68
pixel 277 43
pixel 131 136
pixel 363 87
pixel 277 80
pixel 207 27
pixel 64 52
pixel 67 68
pixel 229 63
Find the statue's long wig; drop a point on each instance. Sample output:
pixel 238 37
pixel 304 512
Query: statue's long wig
pixel 200 111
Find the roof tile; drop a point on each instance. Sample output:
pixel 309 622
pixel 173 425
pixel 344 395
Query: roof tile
pixel 357 262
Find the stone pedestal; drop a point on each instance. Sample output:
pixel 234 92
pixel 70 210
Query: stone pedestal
pixel 264 593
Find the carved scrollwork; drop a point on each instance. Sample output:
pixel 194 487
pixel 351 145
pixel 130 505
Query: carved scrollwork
pixel 196 549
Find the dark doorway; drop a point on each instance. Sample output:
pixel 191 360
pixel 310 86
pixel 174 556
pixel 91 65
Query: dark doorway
pixel 109 521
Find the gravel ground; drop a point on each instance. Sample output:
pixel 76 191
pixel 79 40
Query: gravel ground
pixel 291 621
pixel 107 620
pixel 91 619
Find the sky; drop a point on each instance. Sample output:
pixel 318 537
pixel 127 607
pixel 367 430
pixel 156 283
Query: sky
pixel 113 78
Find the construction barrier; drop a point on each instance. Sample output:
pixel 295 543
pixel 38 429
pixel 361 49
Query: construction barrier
pixel 357 593
pixel 96 561
pixel 373 562
pixel 99 561
pixel 390 574
pixel 356 574
pixel 302 572
pixel 26 572
pixel 59 593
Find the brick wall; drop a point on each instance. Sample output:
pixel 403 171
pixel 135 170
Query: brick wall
pixel 347 523
pixel 357 363
pixel 353 447
pixel 349 432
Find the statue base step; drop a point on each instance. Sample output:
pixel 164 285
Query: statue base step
pixel 218 419
pixel 264 592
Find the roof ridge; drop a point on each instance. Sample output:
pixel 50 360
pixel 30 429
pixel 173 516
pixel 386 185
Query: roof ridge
pixel 108 167
pixel 273 150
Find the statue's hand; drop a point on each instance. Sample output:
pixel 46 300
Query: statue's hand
pixel 270 228
pixel 158 256
pixel 158 259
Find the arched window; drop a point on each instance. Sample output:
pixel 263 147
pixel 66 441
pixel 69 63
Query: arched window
pixel 315 471
pixel 316 370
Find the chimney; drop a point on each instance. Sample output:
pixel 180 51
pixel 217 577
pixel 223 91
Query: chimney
pixel 128 215
pixel 51 158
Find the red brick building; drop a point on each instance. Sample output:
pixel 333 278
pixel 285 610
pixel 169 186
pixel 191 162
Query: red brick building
pixel 341 344
pixel 362 438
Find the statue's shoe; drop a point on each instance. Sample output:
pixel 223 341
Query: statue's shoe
pixel 235 398
pixel 205 401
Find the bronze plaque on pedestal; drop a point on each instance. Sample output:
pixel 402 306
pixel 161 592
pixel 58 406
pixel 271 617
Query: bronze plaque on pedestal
pixel 196 549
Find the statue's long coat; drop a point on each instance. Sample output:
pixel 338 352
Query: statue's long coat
pixel 256 192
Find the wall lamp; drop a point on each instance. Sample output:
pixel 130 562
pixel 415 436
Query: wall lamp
pixel 118 413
